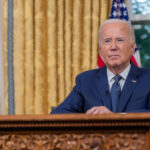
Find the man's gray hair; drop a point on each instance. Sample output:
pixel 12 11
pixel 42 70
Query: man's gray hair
pixel 132 36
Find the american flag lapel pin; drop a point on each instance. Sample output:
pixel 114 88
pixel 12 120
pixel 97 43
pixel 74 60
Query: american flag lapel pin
pixel 134 81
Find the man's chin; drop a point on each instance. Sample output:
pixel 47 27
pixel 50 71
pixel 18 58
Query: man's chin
pixel 114 65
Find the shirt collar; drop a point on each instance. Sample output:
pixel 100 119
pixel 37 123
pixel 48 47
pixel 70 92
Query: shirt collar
pixel 123 74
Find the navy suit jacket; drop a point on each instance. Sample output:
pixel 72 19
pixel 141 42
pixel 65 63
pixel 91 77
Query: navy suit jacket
pixel 92 89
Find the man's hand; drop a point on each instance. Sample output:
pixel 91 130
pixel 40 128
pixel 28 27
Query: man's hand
pixel 99 110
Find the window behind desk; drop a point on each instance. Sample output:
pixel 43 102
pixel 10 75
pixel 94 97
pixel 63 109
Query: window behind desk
pixel 139 13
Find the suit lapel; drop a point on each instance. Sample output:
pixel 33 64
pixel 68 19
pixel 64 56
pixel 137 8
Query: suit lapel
pixel 129 86
pixel 103 88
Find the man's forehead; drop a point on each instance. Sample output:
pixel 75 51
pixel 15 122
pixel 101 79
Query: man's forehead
pixel 111 28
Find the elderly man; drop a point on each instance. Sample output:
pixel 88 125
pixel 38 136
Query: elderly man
pixel 119 86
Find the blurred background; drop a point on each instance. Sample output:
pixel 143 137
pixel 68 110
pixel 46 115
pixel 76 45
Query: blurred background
pixel 139 13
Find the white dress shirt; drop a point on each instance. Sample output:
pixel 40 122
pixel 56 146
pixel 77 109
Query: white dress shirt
pixel 123 74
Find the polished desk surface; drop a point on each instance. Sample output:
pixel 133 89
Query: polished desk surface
pixel 141 119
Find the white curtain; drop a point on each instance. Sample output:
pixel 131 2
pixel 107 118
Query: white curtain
pixel 1 61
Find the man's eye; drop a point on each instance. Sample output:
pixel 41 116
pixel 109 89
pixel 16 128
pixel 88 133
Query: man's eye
pixel 120 40
pixel 107 41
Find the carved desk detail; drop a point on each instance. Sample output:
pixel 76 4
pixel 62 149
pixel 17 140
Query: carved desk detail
pixel 115 141
pixel 75 132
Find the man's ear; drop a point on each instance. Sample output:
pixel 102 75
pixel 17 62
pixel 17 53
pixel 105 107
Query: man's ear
pixel 101 54
pixel 100 50
pixel 133 48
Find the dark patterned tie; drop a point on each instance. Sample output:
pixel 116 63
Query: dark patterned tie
pixel 115 93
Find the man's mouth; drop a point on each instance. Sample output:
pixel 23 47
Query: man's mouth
pixel 114 56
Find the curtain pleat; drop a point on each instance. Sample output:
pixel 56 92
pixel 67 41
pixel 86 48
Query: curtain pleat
pixel 40 58
pixel 86 44
pixel 5 9
pixel 29 57
pixel 68 44
pixel 104 11
pixel 19 57
pixel 54 40
pixel 95 27
pixel 77 37
pixel 60 51
pixel 52 53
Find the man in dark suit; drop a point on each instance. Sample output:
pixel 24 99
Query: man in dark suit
pixel 119 86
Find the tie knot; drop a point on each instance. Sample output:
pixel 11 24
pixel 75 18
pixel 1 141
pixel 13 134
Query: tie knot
pixel 117 78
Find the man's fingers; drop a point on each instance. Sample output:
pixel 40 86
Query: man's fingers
pixel 98 110
pixel 91 111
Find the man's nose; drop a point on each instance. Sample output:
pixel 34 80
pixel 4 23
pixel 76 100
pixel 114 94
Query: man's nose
pixel 113 45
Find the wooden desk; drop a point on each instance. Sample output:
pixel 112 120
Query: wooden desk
pixel 75 132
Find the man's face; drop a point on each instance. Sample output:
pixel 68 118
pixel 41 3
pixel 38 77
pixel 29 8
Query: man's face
pixel 115 45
